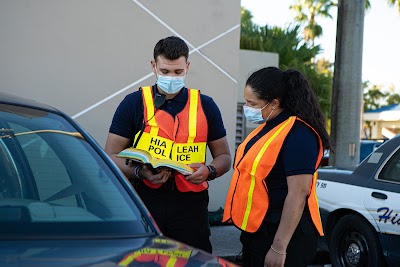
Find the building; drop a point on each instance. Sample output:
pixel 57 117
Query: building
pixel 83 57
pixel 382 123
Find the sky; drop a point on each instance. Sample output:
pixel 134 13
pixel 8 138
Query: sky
pixel 381 45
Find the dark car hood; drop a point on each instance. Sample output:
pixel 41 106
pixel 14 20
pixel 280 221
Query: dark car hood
pixel 122 252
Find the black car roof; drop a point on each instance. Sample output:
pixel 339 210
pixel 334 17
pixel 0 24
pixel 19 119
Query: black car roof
pixel 21 101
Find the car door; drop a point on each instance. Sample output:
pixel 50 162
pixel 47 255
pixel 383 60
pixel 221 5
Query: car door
pixel 383 195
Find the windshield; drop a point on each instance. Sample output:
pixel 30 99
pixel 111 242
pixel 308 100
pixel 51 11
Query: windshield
pixel 54 183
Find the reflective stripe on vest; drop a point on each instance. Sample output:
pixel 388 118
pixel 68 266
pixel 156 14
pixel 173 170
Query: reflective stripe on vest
pixel 182 139
pixel 173 256
pixel 247 199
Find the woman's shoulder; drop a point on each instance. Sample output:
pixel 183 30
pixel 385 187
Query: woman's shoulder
pixel 301 128
pixel 301 134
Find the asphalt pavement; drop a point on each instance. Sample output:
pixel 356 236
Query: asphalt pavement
pixel 225 240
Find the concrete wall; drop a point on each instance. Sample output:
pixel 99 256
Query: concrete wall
pixel 83 57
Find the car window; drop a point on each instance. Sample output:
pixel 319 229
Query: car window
pixel 391 171
pixel 51 176
pixel 40 155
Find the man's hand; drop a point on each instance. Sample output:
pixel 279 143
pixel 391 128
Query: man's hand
pixel 162 175
pixel 200 175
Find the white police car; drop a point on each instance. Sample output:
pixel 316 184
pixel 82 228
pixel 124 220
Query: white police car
pixel 360 209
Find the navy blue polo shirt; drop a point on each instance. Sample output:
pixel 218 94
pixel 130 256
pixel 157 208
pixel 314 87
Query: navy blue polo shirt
pixel 298 155
pixel 128 118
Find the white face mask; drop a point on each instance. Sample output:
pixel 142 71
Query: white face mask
pixel 170 84
pixel 255 114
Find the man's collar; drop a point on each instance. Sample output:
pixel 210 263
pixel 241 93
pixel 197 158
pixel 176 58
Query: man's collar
pixel 180 97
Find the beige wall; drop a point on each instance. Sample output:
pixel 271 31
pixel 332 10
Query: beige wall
pixel 83 57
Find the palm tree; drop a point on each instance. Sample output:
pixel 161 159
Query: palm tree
pixel 293 53
pixel 390 2
pixel 393 99
pixel 307 12
pixel 373 97
pixel 249 32
pixel 395 3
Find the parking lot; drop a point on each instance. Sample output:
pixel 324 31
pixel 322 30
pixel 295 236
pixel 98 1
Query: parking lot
pixel 226 244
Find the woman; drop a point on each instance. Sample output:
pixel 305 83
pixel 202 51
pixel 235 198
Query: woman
pixel 272 196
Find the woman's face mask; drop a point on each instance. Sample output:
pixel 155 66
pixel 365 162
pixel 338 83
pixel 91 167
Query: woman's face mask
pixel 255 114
pixel 170 84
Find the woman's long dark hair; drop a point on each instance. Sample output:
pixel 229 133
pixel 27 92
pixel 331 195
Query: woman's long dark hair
pixel 295 95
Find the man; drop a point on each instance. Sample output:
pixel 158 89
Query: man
pixel 172 121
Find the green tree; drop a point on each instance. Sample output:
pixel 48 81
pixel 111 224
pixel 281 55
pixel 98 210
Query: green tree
pixel 374 98
pixel 339 122
pixel 293 53
pixel 249 32
pixel 395 3
pixel 393 99
pixel 308 10
pixel 390 2
pixel 307 13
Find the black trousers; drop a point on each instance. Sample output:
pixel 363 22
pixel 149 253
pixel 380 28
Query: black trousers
pixel 300 251
pixel 180 216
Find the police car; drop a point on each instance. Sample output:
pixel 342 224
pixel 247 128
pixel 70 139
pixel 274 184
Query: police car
pixel 360 209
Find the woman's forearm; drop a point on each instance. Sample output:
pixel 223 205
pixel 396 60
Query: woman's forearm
pixel 298 187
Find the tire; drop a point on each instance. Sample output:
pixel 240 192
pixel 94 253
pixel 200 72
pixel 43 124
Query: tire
pixel 355 243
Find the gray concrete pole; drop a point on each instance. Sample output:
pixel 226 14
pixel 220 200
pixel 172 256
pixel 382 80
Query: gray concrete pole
pixel 347 85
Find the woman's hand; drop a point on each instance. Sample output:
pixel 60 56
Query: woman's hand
pixel 274 259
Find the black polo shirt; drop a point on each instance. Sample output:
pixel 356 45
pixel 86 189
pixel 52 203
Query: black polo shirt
pixel 128 118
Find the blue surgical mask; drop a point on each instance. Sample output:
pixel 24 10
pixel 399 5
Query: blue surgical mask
pixel 255 114
pixel 170 84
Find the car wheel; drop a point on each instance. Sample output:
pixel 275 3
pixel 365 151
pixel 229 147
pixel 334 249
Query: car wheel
pixel 354 242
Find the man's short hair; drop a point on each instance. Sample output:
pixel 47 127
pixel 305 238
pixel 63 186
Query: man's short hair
pixel 171 48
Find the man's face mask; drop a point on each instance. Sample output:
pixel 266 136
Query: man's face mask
pixel 254 114
pixel 170 84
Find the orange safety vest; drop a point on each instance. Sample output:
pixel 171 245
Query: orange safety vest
pixel 183 138
pixel 174 256
pixel 247 199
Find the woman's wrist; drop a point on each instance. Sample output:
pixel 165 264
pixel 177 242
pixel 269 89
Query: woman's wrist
pixel 278 252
